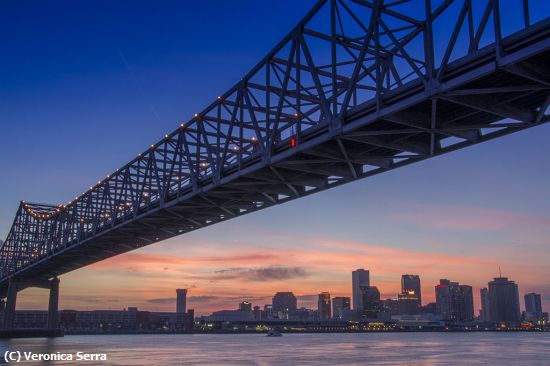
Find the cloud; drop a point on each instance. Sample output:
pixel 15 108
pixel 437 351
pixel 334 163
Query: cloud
pixel 162 301
pixel 275 273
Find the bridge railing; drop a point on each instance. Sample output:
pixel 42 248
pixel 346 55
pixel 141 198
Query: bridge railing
pixel 343 55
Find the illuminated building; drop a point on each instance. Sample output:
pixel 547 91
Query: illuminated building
pixel 245 306
pixel 411 283
pixel 407 303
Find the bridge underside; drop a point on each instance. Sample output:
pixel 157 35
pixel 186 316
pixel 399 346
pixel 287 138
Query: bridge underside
pixel 479 99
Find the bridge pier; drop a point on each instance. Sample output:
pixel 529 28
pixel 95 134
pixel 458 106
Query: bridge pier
pixel 9 312
pixel 53 305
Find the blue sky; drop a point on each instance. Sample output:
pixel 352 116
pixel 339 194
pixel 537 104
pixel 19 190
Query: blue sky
pixel 85 86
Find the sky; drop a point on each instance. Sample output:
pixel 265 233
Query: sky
pixel 85 86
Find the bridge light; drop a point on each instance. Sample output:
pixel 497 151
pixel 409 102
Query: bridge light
pixel 293 142
pixel 182 125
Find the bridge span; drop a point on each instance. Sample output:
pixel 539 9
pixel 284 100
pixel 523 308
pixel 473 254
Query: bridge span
pixel 355 89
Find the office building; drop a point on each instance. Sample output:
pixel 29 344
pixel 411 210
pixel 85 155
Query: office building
pixel 504 300
pixel 407 303
pixel 341 307
pixel 533 303
pixel 371 301
pixel 284 305
pixel 485 312
pixel 181 304
pixel 359 278
pixel 324 305
pixel 454 302
pixel 411 283
pixel 390 307
pixel 245 306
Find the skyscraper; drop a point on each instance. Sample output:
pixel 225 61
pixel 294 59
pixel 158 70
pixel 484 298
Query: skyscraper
pixel 411 282
pixel 245 306
pixel 340 307
pixel 323 305
pixel 407 303
pixel 533 303
pixel 359 277
pixel 504 300
pixel 181 304
pixel 533 307
pixel 371 301
pixel 485 308
pixel 181 301
pixel 466 309
pixel 454 302
pixel 284 305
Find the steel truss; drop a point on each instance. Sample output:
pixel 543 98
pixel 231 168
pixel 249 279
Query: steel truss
pixel 357 88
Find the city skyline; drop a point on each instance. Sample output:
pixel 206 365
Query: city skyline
pixel 459 216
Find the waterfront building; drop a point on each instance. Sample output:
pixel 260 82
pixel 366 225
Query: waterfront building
pixel 407 303
pixel 245 306
pixel 359 277
pixel 409 283
pixel 284 305
pixel 371 301
pixel 504 300
pixel 324 305
pixel 390 306
pixel 341 307
pixel 257 313
pixel 485 312
pixel 454 302
pixel 533 303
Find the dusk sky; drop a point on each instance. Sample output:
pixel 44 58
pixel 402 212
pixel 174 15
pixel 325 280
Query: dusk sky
pixel 85 86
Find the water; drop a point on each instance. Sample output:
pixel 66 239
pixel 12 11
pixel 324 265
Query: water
pixel 487 348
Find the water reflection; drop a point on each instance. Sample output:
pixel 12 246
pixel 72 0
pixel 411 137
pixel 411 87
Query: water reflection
pixel 303 349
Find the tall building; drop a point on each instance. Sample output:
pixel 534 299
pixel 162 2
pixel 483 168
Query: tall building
pixel 359 277
pixel 454 302
pixel 390 307
pixel 411 283
pixel 485 313
pixel 181 301
pixel 340 307
pixel 533 303
pixel 466 309
pixel 257 313
pixel 324 305
pixel 504 300
pixel 533 307
pixel 371 301
pixel 407 303
pixel 245 306
pixel 284 305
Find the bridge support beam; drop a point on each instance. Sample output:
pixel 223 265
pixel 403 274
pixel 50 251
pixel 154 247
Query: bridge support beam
pixel 9 312
pixel 53 305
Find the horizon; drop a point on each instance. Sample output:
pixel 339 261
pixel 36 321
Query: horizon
pixel 460 216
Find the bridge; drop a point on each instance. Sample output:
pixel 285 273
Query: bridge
pixel 355 89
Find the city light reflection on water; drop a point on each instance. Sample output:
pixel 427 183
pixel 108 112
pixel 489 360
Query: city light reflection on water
pixel 489 348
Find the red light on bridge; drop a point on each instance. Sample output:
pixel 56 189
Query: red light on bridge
pixel 293 142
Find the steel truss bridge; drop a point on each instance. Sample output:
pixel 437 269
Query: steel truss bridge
pixel 355 89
